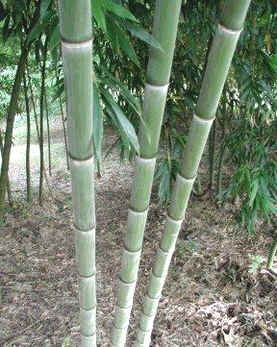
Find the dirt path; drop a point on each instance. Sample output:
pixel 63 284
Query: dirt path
pixel 210 298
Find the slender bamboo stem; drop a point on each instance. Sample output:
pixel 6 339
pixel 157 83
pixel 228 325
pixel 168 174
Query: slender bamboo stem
pixel 41 113
pixel 212 138
pixel 63 119
pixel 33 103
pixel 222 151
pixel 220 57
pixel 48 136
pixel 28 141
pixel 76 33
pixel 158 74
pixel 37 127
pixel 64 133
pixel 8 179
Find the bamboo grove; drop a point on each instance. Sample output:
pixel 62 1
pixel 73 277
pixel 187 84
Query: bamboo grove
pixel 164 106
pixel 219 60
pixel 76 45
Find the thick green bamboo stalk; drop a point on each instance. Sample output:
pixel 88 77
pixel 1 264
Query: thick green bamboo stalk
pixel 76 33
pixel 220 57
pixel 158 74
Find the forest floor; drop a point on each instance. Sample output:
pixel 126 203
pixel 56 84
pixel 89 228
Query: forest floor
pixel 211 297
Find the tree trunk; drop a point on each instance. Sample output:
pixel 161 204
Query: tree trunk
pixel 28 141
pixel 10 124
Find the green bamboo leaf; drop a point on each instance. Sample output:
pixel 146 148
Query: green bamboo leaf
pixel 253 193
pixel 112 34
pixel 55 38
pixel 99 14
pixel 124 123
pixel 143 35
pixel 44 5
pixel 133 101
pixel 118 10
pixel 126 46
pixel 5 31
pixel 35 32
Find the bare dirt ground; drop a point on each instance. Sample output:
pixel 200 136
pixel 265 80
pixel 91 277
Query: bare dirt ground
pixel 210 298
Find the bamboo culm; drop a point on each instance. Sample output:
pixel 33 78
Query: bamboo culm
pixel 158 74
pixel 9 193
pixel 33 103
pixel 41 116
pixel 76 33
pixel 64 133
pixel 28 141
pixel 48 136
pixel 219 61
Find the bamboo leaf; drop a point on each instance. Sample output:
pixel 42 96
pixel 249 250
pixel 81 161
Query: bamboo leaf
pixel 55 38
pixel 112 34
pixel 253 193
pixel 35 32
pixel 118 10
pixel 133 101
pixel 126 46
pixel 5 31
pixel 124 123
pixel 143 35
pixel 99 14
pixel 44 5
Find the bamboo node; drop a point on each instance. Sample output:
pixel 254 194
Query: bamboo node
pixel 77 45
pixel 80 162
pixel 229 31
pixel 185 179
pixel 203 120
pixel 175 221
pixel 145 160
pixel 162 88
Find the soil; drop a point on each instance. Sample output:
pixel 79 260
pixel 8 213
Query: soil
pixel 211 297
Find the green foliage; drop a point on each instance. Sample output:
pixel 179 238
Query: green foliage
pixel 247 113
pixel 7 78
pixel 254 180
pixel 253 124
